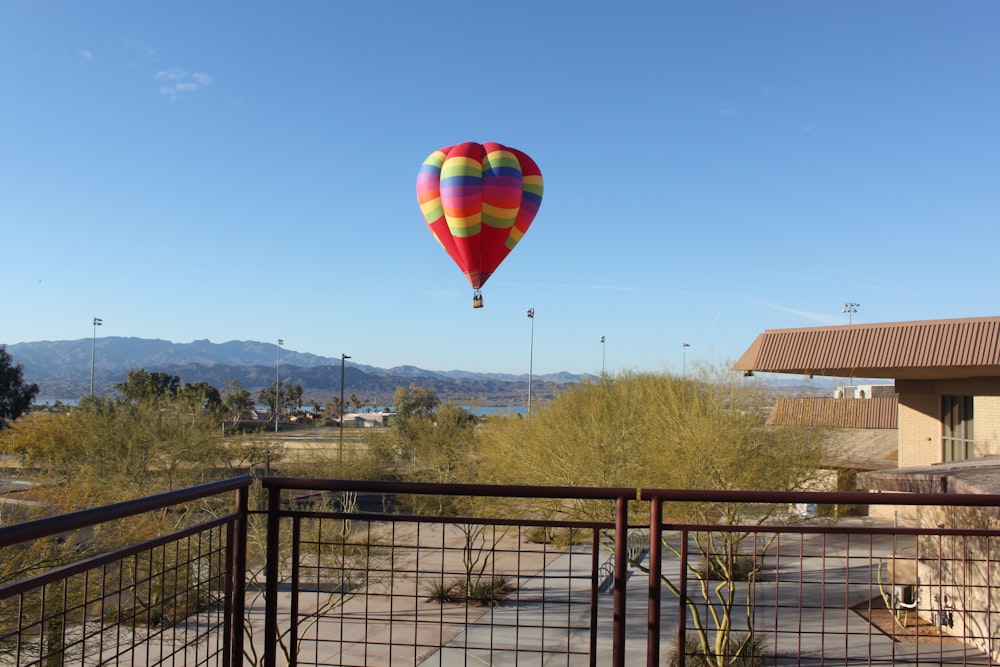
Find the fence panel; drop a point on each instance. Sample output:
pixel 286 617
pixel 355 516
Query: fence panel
pixel 377 588
pixel 73 595
pixel 800 589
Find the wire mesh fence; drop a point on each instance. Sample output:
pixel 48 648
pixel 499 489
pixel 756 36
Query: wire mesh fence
pixel 336 572
pixel 75 595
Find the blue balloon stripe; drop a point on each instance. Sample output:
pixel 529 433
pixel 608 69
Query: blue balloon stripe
pixel 508 172
pixel 461 181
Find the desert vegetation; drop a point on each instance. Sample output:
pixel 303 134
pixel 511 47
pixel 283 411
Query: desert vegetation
pixel 632 430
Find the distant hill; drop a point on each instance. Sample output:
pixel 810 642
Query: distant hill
pixel 61 369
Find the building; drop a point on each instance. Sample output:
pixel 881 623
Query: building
pixel 946 374
pixel 947 380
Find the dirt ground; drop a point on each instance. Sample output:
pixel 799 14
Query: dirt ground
pixel 917 627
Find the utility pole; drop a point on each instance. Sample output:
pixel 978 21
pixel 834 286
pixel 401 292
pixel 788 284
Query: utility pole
pixel 340 447
pixel 93 354
pixel 531 354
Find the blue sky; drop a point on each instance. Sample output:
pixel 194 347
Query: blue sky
pixel 246 171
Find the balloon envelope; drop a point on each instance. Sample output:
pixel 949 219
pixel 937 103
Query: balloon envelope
pixel 479 200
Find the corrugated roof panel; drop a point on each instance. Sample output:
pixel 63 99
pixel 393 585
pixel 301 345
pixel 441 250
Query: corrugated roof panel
pixel 867 413
pixel 969 346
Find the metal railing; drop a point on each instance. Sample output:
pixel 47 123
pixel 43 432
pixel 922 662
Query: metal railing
pixel 764 586
pixel 382 573
pixel 75 597
pixel 380 588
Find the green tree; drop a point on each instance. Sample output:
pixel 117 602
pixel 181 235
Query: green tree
pixel 271 397
pixel 429 441
pixel 237 401
pixel 15 395
pixel 143 385
pixel 356 403
pixel 414 407
pixel 293 396
pixel 281 397
pixel 662 431
pixel 200 397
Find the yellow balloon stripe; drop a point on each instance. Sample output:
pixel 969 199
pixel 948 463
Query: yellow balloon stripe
pixel 432 209
pixel 435 159
pixel 461 166
pixel 533 184
pixel 456 222
pixel 502 159
pixel 465 232
pixel 500 218
pixel 513 238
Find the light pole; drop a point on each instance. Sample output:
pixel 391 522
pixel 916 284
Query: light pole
pixel 93 353
pixel 602 356
pixel 684 359
pixel 340 447
pixel 277 386
pixel 531 354
pixel 850 309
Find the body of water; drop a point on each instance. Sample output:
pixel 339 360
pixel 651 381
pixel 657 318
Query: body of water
pixel 479 411
pixel 483 411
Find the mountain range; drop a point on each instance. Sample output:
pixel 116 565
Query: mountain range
pixel 62 369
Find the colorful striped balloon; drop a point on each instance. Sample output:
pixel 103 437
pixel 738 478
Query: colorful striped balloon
pixel 479 200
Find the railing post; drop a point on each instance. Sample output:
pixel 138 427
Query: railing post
pixel 293 612
pixel 621 572
pixel 655 585
pixel 272 572
pixel 682 601
pixel 236 582
pixel 595 567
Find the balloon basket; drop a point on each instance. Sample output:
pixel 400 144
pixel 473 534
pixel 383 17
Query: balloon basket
pixel 477 300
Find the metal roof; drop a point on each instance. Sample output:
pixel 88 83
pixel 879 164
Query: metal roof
pixel 873 413
pixel 928 349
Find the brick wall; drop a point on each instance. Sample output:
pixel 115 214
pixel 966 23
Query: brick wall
pixel 919 430
pixel 986 419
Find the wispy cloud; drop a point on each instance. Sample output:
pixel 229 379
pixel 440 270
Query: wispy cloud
pixel 725 110
pixel 178 82
pixel 86 55
pixel 819 318
pixel 807 128
pixel 577 286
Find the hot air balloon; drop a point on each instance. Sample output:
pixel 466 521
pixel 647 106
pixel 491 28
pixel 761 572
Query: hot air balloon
pixel 479 200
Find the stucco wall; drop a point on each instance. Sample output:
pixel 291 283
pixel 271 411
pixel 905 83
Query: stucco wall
pixel 919 430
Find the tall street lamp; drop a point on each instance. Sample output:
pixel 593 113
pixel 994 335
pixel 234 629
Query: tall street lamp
pixel 684 359
pixel 531 354
pixel 277 386
pixel 850 309
pixel 340 447
pixel 93 353
pixel 602 356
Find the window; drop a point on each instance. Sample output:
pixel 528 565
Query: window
pixel 957 438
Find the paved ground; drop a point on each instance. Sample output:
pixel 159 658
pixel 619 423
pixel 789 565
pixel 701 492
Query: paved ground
pixel 807 617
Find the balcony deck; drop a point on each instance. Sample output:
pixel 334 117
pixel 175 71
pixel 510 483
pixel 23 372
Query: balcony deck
pixel 326 575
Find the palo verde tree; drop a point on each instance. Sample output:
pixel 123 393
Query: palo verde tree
pixel 15 395
pixel 157 436
pixel 662 431
pixel 428 441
